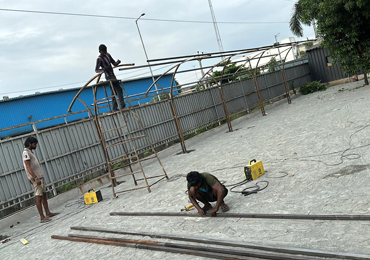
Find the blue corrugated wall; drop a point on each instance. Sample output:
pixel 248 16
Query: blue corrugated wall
pixel 32 108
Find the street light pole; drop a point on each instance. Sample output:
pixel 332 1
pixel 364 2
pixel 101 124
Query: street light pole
pixel 146 55
pixel 278 45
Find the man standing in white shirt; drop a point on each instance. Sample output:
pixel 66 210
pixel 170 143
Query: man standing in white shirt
pixel 36 177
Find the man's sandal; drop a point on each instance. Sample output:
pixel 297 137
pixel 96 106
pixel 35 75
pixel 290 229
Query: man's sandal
pixel 224 207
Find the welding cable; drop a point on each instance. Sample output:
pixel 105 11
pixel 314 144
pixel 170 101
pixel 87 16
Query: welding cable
pixel 247 191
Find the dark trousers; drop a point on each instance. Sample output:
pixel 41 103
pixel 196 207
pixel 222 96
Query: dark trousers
pixel 117 91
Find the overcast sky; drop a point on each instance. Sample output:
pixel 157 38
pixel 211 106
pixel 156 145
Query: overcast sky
pixel 43 52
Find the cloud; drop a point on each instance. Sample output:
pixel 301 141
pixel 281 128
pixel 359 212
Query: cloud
pixel 42 50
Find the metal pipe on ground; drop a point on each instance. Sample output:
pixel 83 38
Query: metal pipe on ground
pixel 245 215
pixel 154 248
pixel 196 248
pixel 288 250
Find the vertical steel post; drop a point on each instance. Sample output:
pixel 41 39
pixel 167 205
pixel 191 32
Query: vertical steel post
pixel 224 105
pixel 284 78
pixel 174 113
pixel 260 101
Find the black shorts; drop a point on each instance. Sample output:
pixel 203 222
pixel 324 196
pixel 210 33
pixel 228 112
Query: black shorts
pixel 211 198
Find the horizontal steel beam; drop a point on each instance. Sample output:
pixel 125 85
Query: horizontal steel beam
pixel 225 53
pixel 245 215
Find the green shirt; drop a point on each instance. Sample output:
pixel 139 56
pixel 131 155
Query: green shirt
pixel 208 181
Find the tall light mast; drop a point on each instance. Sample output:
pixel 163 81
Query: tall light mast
pixel 218 36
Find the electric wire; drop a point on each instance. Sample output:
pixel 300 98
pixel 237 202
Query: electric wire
pixel 129 18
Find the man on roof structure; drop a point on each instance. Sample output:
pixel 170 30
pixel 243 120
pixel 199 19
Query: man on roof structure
pixel 104 64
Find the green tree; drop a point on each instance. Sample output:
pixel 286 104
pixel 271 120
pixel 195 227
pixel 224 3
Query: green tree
pixel 345 29
pixel 228 74
pixel 272 64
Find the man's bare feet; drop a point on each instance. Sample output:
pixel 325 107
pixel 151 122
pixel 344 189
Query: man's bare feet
pixel 224 207
pixel 207 207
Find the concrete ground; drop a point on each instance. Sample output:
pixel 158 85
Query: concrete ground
pixel 316 154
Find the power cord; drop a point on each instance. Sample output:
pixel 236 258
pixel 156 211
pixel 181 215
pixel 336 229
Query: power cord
pixel 249 190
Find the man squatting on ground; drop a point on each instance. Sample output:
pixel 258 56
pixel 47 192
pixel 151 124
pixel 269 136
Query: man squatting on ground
pixel 36 177
pixel 206 188
pixel 103 64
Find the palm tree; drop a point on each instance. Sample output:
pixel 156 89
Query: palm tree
pixel 296 21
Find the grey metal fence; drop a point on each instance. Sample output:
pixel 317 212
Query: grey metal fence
pixel 72 151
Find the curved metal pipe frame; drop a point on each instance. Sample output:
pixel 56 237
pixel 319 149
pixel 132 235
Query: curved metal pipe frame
pixel 87 108
pixel 219 85
pixel 170 98
pixel 79 92
pixel 243 66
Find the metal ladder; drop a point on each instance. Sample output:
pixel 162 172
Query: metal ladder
pixel 114 132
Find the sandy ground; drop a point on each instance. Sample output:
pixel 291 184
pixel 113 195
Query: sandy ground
pixel 315 152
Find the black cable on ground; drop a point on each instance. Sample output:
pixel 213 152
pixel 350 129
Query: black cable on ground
pixel 350 156
pixel 251 189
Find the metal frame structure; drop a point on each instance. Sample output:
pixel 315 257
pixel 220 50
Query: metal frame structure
pixel 218 82
pixel 123 134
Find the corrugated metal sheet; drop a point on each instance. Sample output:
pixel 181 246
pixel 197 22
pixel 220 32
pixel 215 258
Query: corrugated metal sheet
pixel 72 150
pixel 46 105
pixel 318 59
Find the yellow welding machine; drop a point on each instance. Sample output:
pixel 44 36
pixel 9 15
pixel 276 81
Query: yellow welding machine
pixel 254 170
pixel 92 196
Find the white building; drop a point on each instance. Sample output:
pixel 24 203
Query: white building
pixel 280 53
